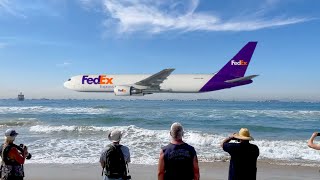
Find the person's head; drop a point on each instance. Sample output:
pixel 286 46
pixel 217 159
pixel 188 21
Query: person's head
pixel 176 131
pixel 10 135
pixel 115 136
pixel 243 135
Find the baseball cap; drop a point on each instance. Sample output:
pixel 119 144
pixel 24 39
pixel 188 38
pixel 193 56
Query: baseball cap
pixel 11 132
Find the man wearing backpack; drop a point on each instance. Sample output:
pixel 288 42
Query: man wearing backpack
pixel 115 158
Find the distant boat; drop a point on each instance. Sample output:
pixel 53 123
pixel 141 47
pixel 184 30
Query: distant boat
pixel 20 97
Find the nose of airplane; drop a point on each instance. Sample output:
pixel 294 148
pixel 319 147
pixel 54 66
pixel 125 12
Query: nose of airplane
pixel 68 85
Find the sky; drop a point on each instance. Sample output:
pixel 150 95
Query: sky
pixel 44 43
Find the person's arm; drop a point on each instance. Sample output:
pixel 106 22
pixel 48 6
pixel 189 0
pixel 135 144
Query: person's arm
pixel 161 169
pixel 128 159
pixel 310 142
pixel 226 140
pixel 102 159
pixel 103 164
pixel 196 168
pixel 14 154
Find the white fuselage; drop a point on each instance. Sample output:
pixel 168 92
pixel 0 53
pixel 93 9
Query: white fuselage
pixel 178 83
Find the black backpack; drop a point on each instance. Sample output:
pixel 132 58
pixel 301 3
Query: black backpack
pixel 115 163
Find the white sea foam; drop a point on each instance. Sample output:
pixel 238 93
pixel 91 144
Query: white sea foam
pixel 85 143
pixel 218 114
pixel 52 110
pixel 305 115
pixel 18 122
pixel 297 114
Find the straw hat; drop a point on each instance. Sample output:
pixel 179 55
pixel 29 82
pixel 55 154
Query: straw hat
pixel 115 136
pixel 243 134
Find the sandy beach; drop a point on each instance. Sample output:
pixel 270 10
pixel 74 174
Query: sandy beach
pixel 209 171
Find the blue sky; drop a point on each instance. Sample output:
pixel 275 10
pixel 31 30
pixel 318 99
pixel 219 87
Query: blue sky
pixel 43 43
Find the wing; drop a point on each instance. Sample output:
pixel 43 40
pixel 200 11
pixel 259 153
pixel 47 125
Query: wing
pixel 154 81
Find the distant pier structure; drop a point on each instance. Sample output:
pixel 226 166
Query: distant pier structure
pixel 20 97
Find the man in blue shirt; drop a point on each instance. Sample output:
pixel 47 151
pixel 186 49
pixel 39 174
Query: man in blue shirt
pixel 243 162
pixel 178 160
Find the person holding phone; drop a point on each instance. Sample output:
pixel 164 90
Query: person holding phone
pixel 243 162
pixel 310 142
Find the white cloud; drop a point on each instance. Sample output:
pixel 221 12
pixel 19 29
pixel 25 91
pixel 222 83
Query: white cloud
pixel 158 16
pixel 64 64
pixel 11 8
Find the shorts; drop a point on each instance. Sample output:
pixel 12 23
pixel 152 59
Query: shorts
pixel 106 178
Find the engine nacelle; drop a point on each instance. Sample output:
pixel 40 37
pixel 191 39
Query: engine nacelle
pixel 126 91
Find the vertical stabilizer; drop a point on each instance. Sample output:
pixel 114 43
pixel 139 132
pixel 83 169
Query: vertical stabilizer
pixel 235 68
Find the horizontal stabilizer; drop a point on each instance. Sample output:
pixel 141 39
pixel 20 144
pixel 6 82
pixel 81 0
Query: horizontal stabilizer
pixel 241 79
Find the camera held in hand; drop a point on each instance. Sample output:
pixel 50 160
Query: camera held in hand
pixel 22 146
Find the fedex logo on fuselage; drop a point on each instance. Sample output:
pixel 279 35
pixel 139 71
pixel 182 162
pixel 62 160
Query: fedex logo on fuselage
pixel 239 63
pixel 102 79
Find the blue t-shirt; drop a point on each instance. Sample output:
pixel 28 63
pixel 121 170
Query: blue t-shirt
pixel 243 163
pixel 178 161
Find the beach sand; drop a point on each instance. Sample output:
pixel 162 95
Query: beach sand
pixel 209 171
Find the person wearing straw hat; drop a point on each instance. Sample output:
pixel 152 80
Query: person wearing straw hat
pixel 178 160
pixel 243 162
pixel 114 158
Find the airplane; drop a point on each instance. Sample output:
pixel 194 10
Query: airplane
pixel 231 75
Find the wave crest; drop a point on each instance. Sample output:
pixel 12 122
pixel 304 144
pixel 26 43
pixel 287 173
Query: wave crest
pixel 145 145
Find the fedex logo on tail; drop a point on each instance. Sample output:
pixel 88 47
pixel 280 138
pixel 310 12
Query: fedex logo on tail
pixel 239 63
pixel 102 79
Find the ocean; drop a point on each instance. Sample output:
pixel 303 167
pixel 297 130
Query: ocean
pixel 74 131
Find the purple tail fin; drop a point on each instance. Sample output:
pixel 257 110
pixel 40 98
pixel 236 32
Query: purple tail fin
pixel 235 68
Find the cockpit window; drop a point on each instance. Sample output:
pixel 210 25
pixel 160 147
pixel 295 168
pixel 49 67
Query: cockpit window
pixel 69 79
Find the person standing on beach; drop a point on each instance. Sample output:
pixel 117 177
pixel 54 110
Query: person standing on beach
pixel 178 160
pixel 115 158
pixel 13 157
pixel 243 163
pixel 310 142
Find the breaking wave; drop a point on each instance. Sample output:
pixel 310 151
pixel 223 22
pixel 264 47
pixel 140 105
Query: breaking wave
pixel 84 144
pixel 52 110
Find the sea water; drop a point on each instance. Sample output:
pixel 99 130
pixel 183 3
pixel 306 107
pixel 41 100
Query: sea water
pixel 75 131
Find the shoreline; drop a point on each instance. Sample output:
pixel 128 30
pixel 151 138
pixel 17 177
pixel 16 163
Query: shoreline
pixel 208 171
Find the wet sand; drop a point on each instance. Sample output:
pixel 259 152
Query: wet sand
pixel 208 171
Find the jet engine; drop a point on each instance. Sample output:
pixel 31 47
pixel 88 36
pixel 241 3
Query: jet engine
pixel 126 91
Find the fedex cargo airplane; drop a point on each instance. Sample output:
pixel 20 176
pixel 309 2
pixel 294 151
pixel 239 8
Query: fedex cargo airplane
pixel 231 75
